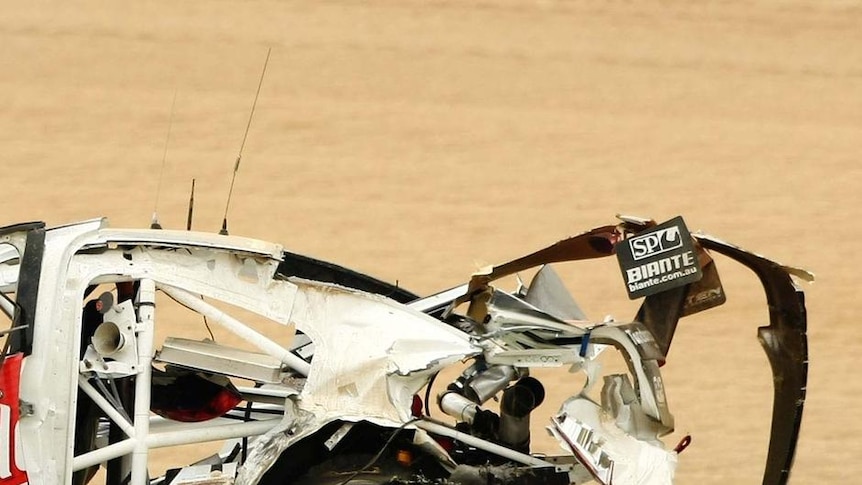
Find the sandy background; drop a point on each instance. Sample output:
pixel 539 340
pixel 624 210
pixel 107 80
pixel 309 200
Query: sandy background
pixel 416 140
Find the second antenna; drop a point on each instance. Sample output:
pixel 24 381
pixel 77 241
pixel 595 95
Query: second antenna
pixel 224 230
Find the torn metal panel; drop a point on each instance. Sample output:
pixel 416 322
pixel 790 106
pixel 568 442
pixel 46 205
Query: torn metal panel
pixel 612 455
pixel 296 424
pixel 596 243
pixel 363 341
pixel 547 291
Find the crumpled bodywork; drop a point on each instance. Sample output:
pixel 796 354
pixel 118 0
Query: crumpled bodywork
pixel 363 352
pixel 371 357
pixel 373 354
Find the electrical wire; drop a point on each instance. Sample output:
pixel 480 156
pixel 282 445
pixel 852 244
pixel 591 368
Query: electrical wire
pixel 428 393
pixel 379 453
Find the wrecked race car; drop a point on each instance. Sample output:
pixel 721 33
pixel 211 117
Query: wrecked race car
pixel 335 381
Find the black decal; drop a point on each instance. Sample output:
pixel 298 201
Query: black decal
pixel 659 259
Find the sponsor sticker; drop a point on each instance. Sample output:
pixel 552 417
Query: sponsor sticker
pixel 659 259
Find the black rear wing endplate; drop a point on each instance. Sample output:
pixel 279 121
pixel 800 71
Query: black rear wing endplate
pixel 785 342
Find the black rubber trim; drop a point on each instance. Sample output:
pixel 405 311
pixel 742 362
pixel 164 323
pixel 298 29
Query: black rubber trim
pixel 24 226
pixel 314 269
pixel 27 293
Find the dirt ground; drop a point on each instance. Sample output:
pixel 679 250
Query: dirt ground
pixel 418 140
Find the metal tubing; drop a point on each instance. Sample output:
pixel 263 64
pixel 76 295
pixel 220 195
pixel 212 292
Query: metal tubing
pixel 101 455
pixel 238 328
pixel 181 436
pixel 436 428
pixel 143 380
pixel 458 406
pixel 515 431
pixel 210 433
pixel 105 406
pixel 489 382
pixel 438 300
pixel 518 402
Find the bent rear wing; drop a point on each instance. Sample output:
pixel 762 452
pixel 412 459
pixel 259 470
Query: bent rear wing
pixel 785 342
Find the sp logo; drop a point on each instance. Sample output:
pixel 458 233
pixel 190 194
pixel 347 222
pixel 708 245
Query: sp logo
pixel 658 259
pixel 656 242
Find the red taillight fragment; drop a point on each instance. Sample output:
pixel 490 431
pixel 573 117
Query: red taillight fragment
pixel 190 396
pixel 416 407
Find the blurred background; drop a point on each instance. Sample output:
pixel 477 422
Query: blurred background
pixel 417 141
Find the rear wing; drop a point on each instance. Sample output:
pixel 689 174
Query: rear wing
pixel 785 342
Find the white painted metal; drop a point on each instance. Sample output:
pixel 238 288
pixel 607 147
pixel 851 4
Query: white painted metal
pixel 220 359
pixel 238 328
pixel 46 433
pixel 167 438
pixel 143 387
pixel 210 433
pixel 174 238
pixel 101 455
pixel 105 406
pixel 471 440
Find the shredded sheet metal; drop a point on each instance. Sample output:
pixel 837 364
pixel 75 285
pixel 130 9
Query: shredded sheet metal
pixel 372 355
pixel 265 450
pixel 368 359
pixel 612 455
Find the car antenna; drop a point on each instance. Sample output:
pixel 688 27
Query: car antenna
pixel 223 230
pixel 154 224
pixel 191 207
